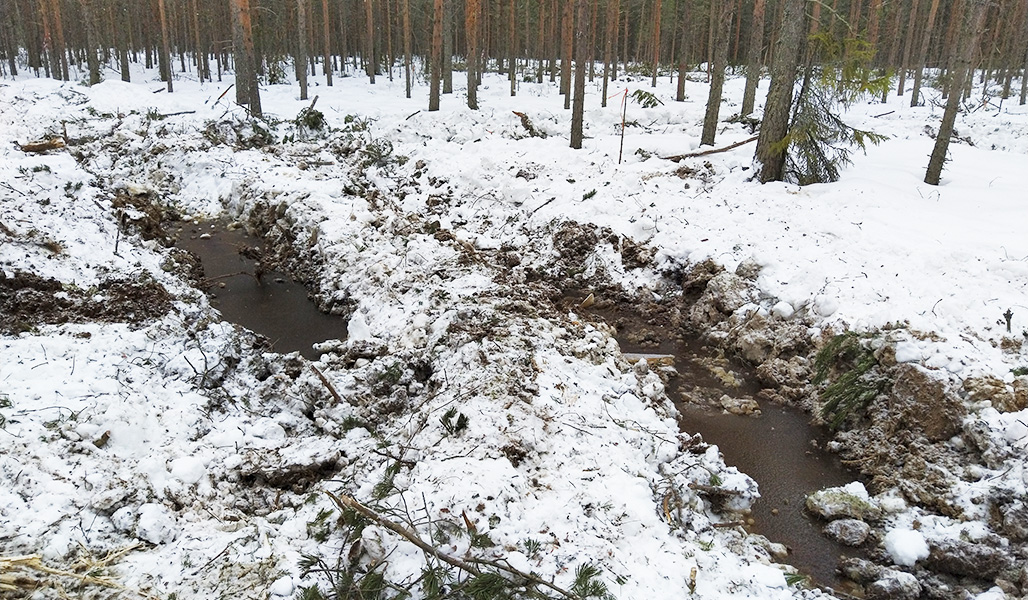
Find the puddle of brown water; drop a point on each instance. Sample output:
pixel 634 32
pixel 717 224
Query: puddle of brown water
pixel 775 449
pixel 274 306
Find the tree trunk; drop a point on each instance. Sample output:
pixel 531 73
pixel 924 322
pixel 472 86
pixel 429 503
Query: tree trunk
pixel 301 50
pixel 447 54
pixel 610 33
pixel 770 153
pixel 717 79
pixel 435 70
pixel 970 30
pixel 922 55
pixel 371 61
pixel 908 43
pixel 390 59
pixel 247 92
pixel 11 46
pixel 165 45
pixel 92 40
pixel 406 46
pixel 60 48
pixel 203 67
pixel 753 62
pixel 1024 71
pixel 327 37
pixel 656 42
pixel 512 49
pixel 472 10
pixel 581 56
pixel 568 41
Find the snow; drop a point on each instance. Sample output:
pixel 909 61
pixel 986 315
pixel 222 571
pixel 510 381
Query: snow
pixel 906 546
pixel 190 441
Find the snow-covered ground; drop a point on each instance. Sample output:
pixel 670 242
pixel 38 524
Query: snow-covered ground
pixel 176 434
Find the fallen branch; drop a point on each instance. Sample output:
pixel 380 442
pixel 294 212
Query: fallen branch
pixel 712 490
pixel 175 114
pixel 328 385
pixel 527 124
pixel 54 143
pixel 678 157
pixel 471 565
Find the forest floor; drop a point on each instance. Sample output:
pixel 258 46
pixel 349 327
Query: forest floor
pixel 152 449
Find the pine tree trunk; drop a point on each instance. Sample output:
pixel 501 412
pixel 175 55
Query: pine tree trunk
pixel 922 55
pixel 770 155
pixel 608 42
pixel 472 10
pixel 581 56
pixel 390 59
pixel 327 37
pixel 656 42
pixel 92 40
pixel 435 70
pixel 970 30
pixel 247 91
pixel 203 67
pixel 301 47
pixel 753 63
pixel 165 45
pixel 1024 70
pixel 406 47
pixel 717 79
pixel 60 48
pixel 512 61
pixel 568 41
pixel 11 46
pixel 448 46
pixel 371 61
pixel 908 43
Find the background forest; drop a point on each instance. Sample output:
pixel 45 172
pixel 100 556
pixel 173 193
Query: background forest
pixel 848 49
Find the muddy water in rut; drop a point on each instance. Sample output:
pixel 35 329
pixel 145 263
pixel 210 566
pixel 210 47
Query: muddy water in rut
pixel 779 449
pixel 269 302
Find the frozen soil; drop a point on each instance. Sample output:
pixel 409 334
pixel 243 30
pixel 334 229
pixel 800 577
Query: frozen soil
pixel 469 392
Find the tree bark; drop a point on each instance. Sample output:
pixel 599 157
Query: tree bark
pixel 301 50
pixel 371 61
pixel 770 153
pixel 92 40
pixel 1024 71
pixel 60 48
pixel 717 78
pixel 753 55
pixel 247 91
pixel 472 10
pixel 972 17
pixel 165 46
pixel 656 42
pixel 568 41
pixel 435 69
pixel 447 53
pixel 406 47
pixel 922 55
pixel 327 37
pixel 512 50
pixel 581 56
pixel 908 43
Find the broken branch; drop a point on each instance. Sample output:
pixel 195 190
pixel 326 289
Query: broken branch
pixel 54 143
pixel 678 157
pixel 471 565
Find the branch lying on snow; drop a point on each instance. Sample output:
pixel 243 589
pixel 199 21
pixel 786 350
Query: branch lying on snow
pixel 19 573
pixel 54 143
pixel 471 565
pixel 678 157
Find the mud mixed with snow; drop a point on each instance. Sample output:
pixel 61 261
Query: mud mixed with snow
pixel 464 395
